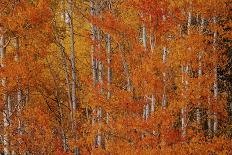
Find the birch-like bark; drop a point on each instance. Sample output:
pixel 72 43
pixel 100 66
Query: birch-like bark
pixel 200 55
pixel 100 64
pixel 146 108
pixel 215 87
pixel 9 113
pixel 93 59
pixel 151 107
pixel 144 36
pixel 146 111
pixel 6 121
pixel 109 70
pixel 165 52
pixel 94 62
pixel 184 97
pixel 98 8
pixel 99 138
pixel 183 122
pixel 73 69
pixel 109 74
pixel 72 56
pixel 19 92
pixel 97 67
pixel 152 104
pixel 99 135
pixel 185 72
pixel 189 22
pixel 93 46
pixel 164 99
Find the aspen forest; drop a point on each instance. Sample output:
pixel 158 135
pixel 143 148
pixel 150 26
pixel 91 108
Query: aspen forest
pixel 115 77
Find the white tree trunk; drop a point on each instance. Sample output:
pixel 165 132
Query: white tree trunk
pixel 198 112
pixel 184 98
pixel 215 88
pixel 109 70
pixel 73 69
pixel 100 64
pixel 6 111
pixel 19 92
pixel 93 59
pixel 93 46
pixel 189 22
pixel 146 108
pixel 144 36
pixel 183 122
pixel 185 71
pixel 164 99
pixel 164 55
pixel 72 56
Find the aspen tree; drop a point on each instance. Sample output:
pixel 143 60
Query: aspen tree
pixel 73 69
pixel 200 57
pixel 215 85
pixel 6 97
pixel 185 72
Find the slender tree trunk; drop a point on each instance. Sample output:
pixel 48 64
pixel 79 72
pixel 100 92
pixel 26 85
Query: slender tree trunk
pixel 152 37
pixel 209 119
pixel 109 73
pixel 164 99
pixel 60 110
pixel 184 97
pixel 109 70
pixel 94 60
pixel 146 112
pixel 152 104
pixel 189 22
pixel 97 68
pixel 6 99
pixel 93 46
pixel 200 55
pixel 100 64
pixel 68 83
pixel 183 122
pixel 146 108
pixel 126 69
pixel 165 52
pixel 19 91
pixel 185 72
pixel 144 36
pixel 72 56
pixel 99 138
pixel 67 19
pixel 73 69
pixel 215 87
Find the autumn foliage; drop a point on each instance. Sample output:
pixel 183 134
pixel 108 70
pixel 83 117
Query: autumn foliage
pixel 115 77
